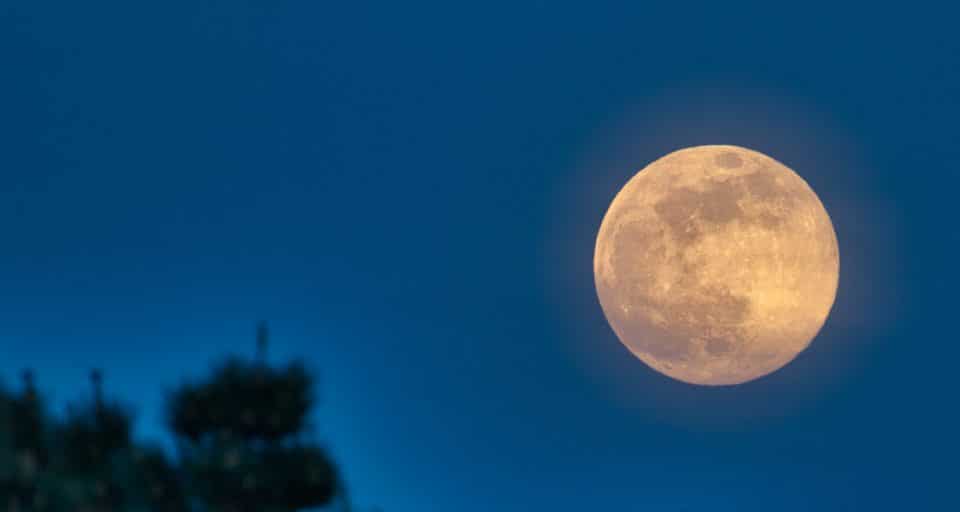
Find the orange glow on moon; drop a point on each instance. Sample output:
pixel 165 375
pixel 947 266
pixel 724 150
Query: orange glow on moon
pixel 716 265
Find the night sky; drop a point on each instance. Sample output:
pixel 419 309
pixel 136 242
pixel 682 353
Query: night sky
pixel 410 192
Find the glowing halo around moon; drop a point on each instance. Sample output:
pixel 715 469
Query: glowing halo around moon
pixel 716 265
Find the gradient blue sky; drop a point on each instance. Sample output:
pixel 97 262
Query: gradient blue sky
pixel 409 192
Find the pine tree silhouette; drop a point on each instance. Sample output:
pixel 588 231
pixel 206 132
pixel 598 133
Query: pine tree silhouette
pixel 240 437
pixel 25 451
pixel 85 463
pixel 240 434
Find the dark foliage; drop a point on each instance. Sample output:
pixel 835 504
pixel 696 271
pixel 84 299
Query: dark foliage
pixel 248 400
pixel 275 478
pixel 240 434
pixel 93 435
pixel 163 490
pixel 27 432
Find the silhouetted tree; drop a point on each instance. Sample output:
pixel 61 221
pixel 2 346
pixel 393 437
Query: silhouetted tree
pixel 240 438
pixel 241 448
pixel 85 463
pixel 25 451
pixel 101 469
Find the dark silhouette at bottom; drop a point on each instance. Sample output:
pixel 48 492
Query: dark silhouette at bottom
pixel 242 445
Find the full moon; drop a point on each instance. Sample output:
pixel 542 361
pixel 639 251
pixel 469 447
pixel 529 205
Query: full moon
pixel 716 265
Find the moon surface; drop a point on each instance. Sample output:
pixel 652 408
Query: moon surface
pixel 716 265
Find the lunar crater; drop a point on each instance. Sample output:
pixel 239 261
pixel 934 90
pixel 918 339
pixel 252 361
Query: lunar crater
pixel 729 160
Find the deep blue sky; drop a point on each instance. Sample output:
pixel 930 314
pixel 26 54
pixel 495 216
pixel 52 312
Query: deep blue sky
pixel 409 193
